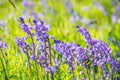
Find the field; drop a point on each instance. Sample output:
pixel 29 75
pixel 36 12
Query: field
pixel 59 40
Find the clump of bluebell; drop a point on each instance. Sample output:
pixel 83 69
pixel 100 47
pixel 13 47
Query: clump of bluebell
pixel 42 52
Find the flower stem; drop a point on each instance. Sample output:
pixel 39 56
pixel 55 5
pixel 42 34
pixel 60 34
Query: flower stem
pixel 102 74
pixel 50 52
pixel 52 74
pixel 5 66
pixel 88 74
pixel 29 66
pixel 37 71
pixel 93 69
pixel 46 59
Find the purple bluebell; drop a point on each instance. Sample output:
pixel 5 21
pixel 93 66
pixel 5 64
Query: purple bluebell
pixel 2 45
pixel 22 44
pixel 41 30
pixel 117 8
pixel 115 64
pixel 114 18
pixel 27 3
pixel 98 48
pixel 41 59
pixel 34 57
pixel 70 52
pixel 2 23
pixel 101 52
pixel 25 27
pixel 85 34
pixel 69 7
pixel 100 7
pixel 50 69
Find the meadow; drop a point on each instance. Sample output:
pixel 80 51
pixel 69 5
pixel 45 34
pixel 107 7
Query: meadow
pixel 59 40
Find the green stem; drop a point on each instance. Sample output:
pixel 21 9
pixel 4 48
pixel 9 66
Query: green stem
pixel 50 52
pixel 50 57
pixel 88 74
pixel 29 66
pixel 93 69
pixel 52 76
pixel 37 71
pixel 46 59
pixel 13 4
pixel 33 43
pixel 4 68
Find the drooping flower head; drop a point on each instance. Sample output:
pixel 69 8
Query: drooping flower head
pixel 25 27
pixel 98 48
pixel 85 34
pixel 41 30
pixel 23 45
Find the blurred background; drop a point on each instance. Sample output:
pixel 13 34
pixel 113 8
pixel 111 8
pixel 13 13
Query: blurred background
pixel 100 17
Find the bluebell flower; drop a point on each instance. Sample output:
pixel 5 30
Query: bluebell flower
pixel 23 45
pixel 100 7
pixel 2 23
pixel 41 30
pixel 115 65
pixel 85 34
pixel 117 8
pixel 69 7
pixel 27 3
pixel 71 53
pixel 114 18
pixel 25 27
pixel 2 45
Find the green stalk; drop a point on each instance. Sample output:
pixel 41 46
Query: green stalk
pixel 29 66
pixel 4 68
pixel 13 4
pixel 93 69
pixel 37 71
pixel 34 49
pixel 46 60
pixel 50 57
pixel 6 77
pixel 33 43
pixel 50 52
pixel 88 74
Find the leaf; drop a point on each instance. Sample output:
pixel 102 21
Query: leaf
pixel 6 77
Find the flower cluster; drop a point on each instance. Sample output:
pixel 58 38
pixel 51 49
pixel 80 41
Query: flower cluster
pixel 43 55
pixel 101 52
pixel 95 51
pixel 25 27
pixel 70 52
pixel 22 44
pixel 41 30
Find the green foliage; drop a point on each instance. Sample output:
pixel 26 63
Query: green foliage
pixel 61 28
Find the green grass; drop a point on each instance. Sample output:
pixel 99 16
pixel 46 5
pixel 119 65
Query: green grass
pixel 61 28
